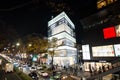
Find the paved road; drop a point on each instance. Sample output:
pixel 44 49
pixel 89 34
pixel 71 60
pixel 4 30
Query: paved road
pixel 7 76
pixel 10 76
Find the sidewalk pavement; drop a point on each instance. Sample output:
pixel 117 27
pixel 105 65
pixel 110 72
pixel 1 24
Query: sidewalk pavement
pixel 76 78
pixel 79 75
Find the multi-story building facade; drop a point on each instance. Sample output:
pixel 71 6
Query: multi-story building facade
pixel 101 40
pixel 93 25
pixel 62 28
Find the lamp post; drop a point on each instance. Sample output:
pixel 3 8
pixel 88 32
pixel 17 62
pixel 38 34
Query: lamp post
pixel 29 45
pixel 17 44
pixel 80 57
pixel 78 52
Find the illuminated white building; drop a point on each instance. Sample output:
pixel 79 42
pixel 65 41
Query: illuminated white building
pixel 62 28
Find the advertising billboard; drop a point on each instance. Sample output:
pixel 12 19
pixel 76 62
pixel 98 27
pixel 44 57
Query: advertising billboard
pixel 86 52
pixel 117 49
pixel 103 51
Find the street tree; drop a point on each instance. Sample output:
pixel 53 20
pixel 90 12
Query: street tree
pixel 36 44
pixel 52 46
pixel 7 36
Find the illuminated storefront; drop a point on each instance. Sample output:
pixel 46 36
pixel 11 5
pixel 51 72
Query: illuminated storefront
pixel 103 3
pixel 62 28
pixel 96 65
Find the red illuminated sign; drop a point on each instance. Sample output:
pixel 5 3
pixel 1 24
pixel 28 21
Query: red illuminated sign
pixel 109 32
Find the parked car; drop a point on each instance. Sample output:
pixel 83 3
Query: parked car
pixel 16 64
pixel 34 75
pixel 9 67
pixel 57 75
pixel 43 74
pixel 32 68
pixel 52 78
pixel 39 67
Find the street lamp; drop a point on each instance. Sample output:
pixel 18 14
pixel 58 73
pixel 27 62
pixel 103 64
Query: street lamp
pixel 29 45
pixel 17 44
pixel 80 57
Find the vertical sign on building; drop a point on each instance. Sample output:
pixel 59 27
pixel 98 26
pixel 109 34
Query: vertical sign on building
pixel 86 52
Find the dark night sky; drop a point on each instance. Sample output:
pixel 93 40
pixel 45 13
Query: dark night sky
pixel 32 16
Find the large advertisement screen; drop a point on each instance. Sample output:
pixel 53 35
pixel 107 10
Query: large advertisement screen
pixel 117 49
pixel 103 51
pixel 86 52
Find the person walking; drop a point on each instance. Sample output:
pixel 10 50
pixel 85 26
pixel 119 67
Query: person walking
pixel 90 69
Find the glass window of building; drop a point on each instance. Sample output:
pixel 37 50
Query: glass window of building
pixel 69 43
pixel 67 23
pixel 53 26
pixel 49 31
pixel 61 21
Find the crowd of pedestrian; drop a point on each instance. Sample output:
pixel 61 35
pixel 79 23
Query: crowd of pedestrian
pixel 94 70
pixel 73 70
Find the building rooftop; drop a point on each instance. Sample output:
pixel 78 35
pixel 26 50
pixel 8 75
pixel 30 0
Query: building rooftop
pixel 60 16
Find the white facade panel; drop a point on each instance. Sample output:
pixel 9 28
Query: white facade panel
pixel 60 16
pixel 66 47
pixel 60 28
pixel 63 35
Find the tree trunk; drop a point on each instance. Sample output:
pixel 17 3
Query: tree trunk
pixel 52 60
pixel 52 63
